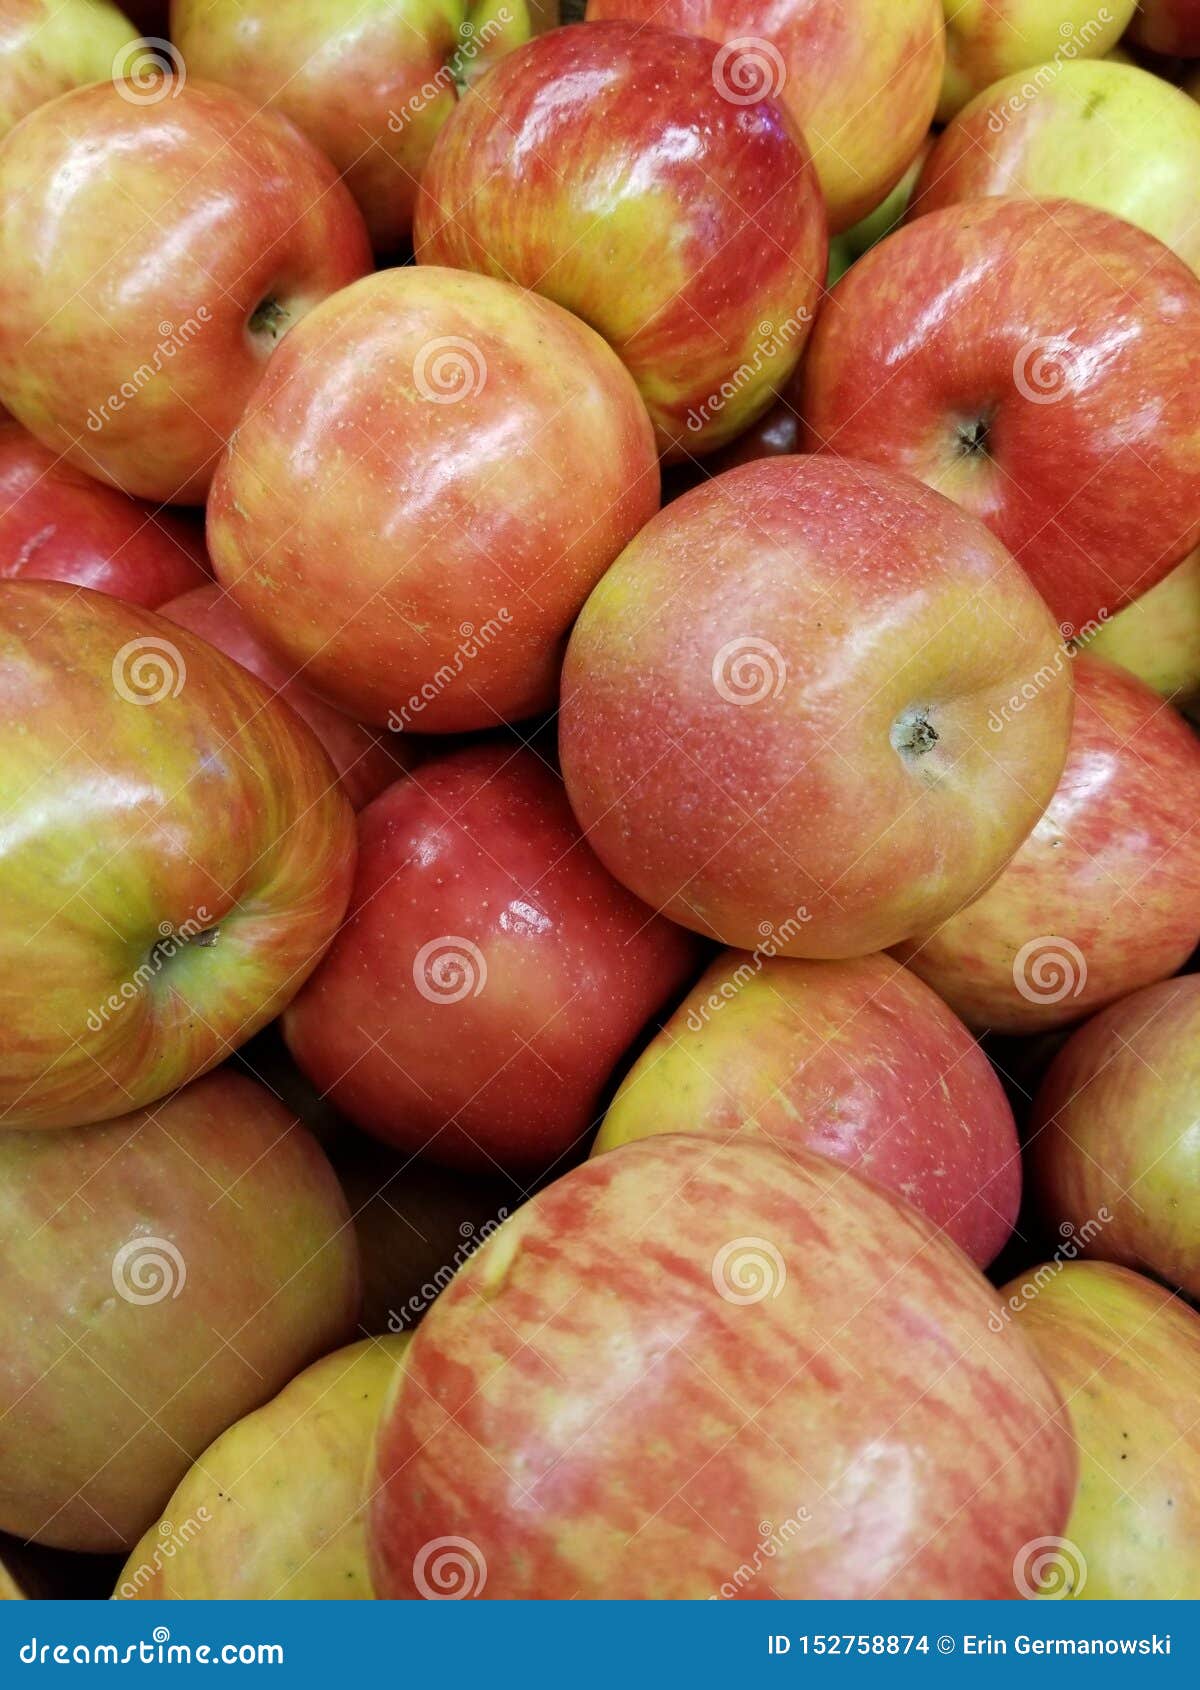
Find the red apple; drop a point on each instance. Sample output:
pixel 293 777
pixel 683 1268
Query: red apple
pixel 691 1369
pixel 434 473
pixel 1104 895
pixel 1038 362
pixel 370 83
pixel 48 46
pixel 57 524
pixel 607 166
pixel 775 705
pixel 154 245
pixel 860 77
pixel 1114 1128
pixel 489 975
pixel 855 1060
pixel 176 855
pixel 366 762
pixel 161 1276
pixel 1168 26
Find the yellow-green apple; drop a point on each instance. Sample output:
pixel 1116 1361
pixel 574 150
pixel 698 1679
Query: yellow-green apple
pixel 1157 637
pixel 990 39
pixel 489 975
pixel 860 77
pixel 855 1060
pixel 175 858
pixel 606 166
pixel 1125 1355
pixel 1038 362
pixel 1170 27
pixel 154 245
pixel 366 761
pixel 775 705
pixel 1104 895
pixel 239 1526
pixel 696 1369
pixel 49 46
pixel 369 81
pixel 162 1275
pixel 1114 1128
pixel 846 248
pixel 58 524
pixel 1111 135
pixel 435 471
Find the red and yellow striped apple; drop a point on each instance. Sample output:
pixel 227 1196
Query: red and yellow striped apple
pixel 989 39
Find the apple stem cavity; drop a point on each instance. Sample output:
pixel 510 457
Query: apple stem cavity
pixel 973 437
pixel 268 321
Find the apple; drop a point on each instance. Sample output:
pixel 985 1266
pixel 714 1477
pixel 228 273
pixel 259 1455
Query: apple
pixel 176 855
pixel 857 1061
pixel 1171 27
pixel 987 40
pixel 1037 361
pixel 58 524
pixel 369 81
pixel 860 77
pixel 155 243
pixel 845 249
pixel 609 167
pixel 1104 895
pixel 434 473
pixel 692 1369
pixel 49 46
pixel 366 762
pixel 489 974
pixel 164 1274
pixel 239 1527
pixel 1111 135
pixel 775 705
pixel 1126 1356
pixel 1157 637
pixel 1114 1128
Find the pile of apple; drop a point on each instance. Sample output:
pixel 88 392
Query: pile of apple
pixel 593 954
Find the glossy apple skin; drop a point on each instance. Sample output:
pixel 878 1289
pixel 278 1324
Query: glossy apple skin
pixel 368 81
pixel 861 79
pixel 107 1401
pixel 586 1407
pixel 1157 637
pixel 380 513
pixel 257 1534
pixel 603 167
pixel 1112 868
pixel 1111 135
pixel 1072 340
pixel 857 1061
pixel 152 254
pixel 1114 1127
pixel 366 762
pixel 189 858
pixel 500 1062
pixel 989 39
pixel 828 804
pixel 1171 27
pixel 1126 1356
pixel 58 524
pixel 49 46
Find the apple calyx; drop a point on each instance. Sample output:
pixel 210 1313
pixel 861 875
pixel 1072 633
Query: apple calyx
pixel 268 321
pixel 913 734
